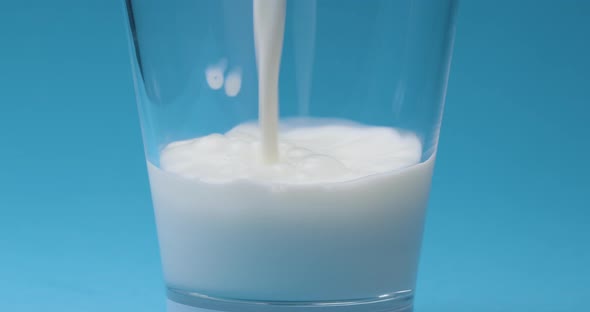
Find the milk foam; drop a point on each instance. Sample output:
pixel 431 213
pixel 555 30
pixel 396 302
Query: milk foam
pixel 316 153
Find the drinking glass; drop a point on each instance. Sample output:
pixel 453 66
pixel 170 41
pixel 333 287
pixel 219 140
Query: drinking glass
pixel 333 246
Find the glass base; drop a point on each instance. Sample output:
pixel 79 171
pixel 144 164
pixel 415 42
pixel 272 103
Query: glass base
pixel 183 301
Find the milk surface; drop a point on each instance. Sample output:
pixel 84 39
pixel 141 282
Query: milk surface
pixel 338 217
pixel 310 151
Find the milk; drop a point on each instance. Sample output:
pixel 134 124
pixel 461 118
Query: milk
pixel 311 151
pixel 269 28
pixel 338 217
pixel 298 210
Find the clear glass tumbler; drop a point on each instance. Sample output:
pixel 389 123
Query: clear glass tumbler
pixel 335 222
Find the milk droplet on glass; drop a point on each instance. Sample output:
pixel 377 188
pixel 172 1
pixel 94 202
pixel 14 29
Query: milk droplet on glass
pixel 214 74
pixel 233 83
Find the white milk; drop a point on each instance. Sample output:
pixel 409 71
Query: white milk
pixel 318 211
pixel 269 28
pixel 339 216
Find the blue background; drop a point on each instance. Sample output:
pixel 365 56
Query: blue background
pixel 508 226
